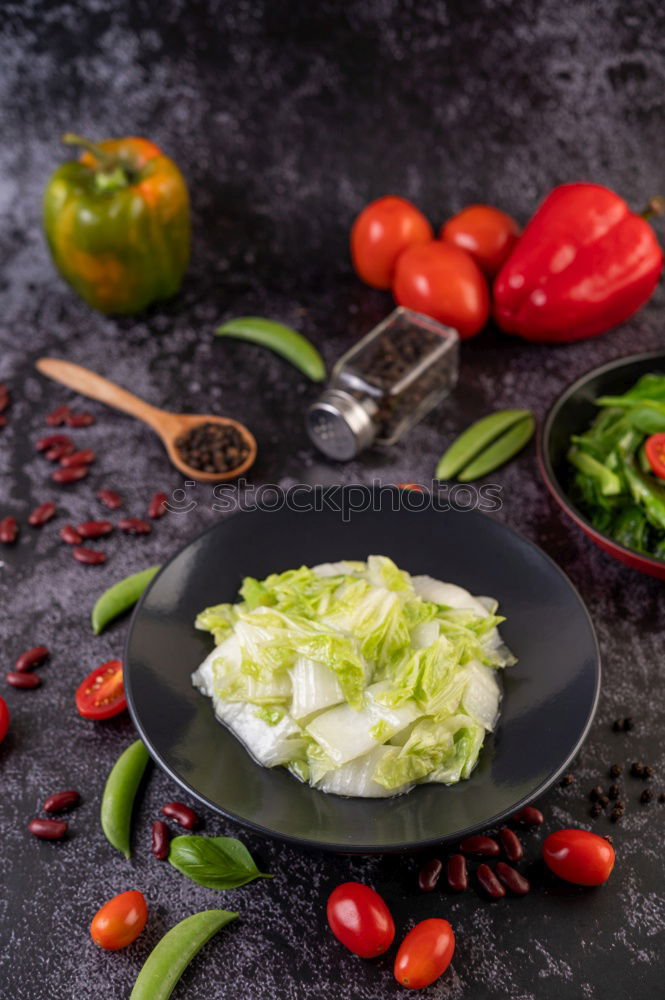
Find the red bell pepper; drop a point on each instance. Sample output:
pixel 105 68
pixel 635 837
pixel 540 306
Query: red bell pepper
pixel 584 264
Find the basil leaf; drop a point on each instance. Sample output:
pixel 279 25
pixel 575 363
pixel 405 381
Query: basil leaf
pixel 214 862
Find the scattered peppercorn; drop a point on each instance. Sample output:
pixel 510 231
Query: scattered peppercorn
pixel 603 801
pixel 648 771
pixel 609 838
pixel 614 791
pixel 637 769
pixel 596 793
pixel 646 796
pixel 616 770
pixel 628 724
pixel 213 447
pixel 617 725
pixel 567 780
pixel 616 815
pixel 596 809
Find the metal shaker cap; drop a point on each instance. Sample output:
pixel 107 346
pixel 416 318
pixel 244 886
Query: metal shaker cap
pixel 339 425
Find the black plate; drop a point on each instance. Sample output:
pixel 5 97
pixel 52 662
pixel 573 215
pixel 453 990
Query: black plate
pixel 549 696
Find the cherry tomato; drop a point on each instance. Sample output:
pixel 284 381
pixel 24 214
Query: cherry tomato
pixel 655 452
pixel 578 856
pixel 359 918
pixel 101 695
pixel 425 953
pixel 488 234
pixel 380 233
pixel 120 921
pixel 442 281
pixel 4 719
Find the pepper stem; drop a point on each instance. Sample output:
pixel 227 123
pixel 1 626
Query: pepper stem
pixel 111 175
pixel 106 160
pixel 655 207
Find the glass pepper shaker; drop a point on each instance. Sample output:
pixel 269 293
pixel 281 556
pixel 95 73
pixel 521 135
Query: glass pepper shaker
pixel 384 384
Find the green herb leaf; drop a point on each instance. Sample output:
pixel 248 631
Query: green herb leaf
pixel 214 862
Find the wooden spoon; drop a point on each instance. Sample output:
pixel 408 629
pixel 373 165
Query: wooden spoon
pixel 169 426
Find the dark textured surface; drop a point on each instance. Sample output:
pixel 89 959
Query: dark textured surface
pixel 286 118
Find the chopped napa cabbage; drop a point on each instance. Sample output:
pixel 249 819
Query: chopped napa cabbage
pixel 344 733
pixel 315 687
pixel 446 594
pixel 481 696
pixel 358 677
pixel 468 740
pixel 357 777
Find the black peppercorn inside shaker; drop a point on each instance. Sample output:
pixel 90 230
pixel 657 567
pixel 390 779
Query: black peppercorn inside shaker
pixel 385 384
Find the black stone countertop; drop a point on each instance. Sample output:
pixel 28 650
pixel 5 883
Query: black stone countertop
pixel 286 119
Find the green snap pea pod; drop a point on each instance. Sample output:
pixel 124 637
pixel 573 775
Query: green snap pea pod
pixel 500 451
pixel 279 338
pixel 471 441
pixel 119 794
pixel 170 957
pixel 120 597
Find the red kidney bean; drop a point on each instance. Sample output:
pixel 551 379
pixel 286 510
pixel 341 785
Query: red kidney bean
pixel 480 845
pixel 61 801
pixel 4 399
pixel 48 829
pixel 94 529
pixel 24 680
pixel 52 441
pixel 182 814
pixel 110 499
pixel 79 419
pixel 490 882
pixel 31 658
pixel 428 875
pixel 70 475
pixel 160 839
pixel 69 534
pixel 512 845
pixel 84 457
pixel 456 873
pixel 8 530
pixel 156 506
pixel 512 879
pixel 57 417
pixel 41 514
pixel 58 451
pixel 90 557
pixel 135 526
pixel 529 816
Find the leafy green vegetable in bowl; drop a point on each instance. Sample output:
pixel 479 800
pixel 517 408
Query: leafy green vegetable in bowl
pixel 356 676
pixel 617 479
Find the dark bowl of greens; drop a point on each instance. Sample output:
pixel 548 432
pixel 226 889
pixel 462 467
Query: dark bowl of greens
pixel 599 458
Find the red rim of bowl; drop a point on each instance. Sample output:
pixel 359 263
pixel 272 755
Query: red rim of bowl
pixel 630 557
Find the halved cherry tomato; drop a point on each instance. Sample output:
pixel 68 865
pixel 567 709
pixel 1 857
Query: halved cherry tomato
pixel 4 719
pixel 442 281
pixel 579 856
pixel 379 235
pixel 487 233
pixel 120 921
pixel 101 695
pixel 654 448
pixel 360 919
pixel 425 953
